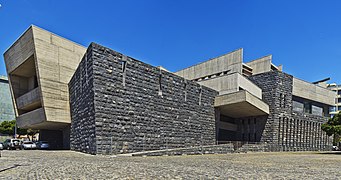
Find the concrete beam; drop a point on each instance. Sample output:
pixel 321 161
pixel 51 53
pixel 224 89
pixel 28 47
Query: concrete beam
pixel 232 83
pixel 31 118
pixel 231 62
pixel 241 104
pixel 313 92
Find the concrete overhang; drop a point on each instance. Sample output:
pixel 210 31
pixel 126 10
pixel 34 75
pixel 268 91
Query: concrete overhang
pixel 241 104
pixel 36 119
pixel 313 92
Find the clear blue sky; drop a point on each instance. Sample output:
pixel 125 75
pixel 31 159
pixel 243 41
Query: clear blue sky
pixel 304 36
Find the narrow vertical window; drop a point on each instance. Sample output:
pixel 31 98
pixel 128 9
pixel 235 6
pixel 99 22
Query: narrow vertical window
pixel 280 100
pixel 160 85
pixel 185 90
pixel 86 70
pixel 81 79
pixel 200 94
pixel 124 67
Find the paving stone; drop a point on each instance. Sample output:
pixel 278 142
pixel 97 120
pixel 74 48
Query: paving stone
pixel 73 165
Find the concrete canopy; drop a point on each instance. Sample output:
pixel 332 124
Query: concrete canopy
pixel 241 104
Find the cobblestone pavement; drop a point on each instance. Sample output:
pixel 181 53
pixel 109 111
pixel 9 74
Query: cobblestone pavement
pixel 73 165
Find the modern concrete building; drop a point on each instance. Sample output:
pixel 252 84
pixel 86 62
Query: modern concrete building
pixel 257 102
pixel 39 66
pixel 101 101
pixel 6 104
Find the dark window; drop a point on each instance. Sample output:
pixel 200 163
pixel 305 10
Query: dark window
pixel 35 82
pixel 160 85
pixel 124 67
pixel 185 90
pixel 280 100
pixel 200 94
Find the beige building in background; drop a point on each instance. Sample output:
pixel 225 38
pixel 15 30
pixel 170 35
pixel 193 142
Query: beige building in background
pixel 39 66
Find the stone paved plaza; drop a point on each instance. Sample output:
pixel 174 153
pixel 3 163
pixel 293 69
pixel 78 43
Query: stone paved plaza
pixel 72 165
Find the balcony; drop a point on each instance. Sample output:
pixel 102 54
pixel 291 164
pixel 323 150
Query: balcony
pixel 31 118
pixel 241 104
pixel 30 100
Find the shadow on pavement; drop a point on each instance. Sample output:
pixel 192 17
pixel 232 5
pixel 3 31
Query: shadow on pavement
pixel 331 152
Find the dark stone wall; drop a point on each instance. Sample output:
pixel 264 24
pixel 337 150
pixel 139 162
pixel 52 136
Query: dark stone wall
pixel 132 106
pixel 285 128
pixel 82 107
pixel 277 93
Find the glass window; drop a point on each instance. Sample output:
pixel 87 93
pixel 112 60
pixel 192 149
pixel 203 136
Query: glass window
pixel 307 107
pixel 316 110
pixel 297 106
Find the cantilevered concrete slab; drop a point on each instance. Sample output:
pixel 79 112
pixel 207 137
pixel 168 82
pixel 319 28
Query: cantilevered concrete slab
pixel 231 83
pixel 241 104
pixel 263 64
pixel 313 92
pixel 230 62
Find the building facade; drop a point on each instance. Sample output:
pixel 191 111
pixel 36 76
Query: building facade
pixel 6 104
pixel 337 106
pixel 120 105
pixel 39 67
pixel 259 103
pixel 99 101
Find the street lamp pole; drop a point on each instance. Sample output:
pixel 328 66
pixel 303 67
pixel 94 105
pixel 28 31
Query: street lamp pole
pixel 15 129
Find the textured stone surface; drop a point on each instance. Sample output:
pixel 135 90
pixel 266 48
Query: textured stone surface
pixel 121 105
pixel 73 165
pixel 289 130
